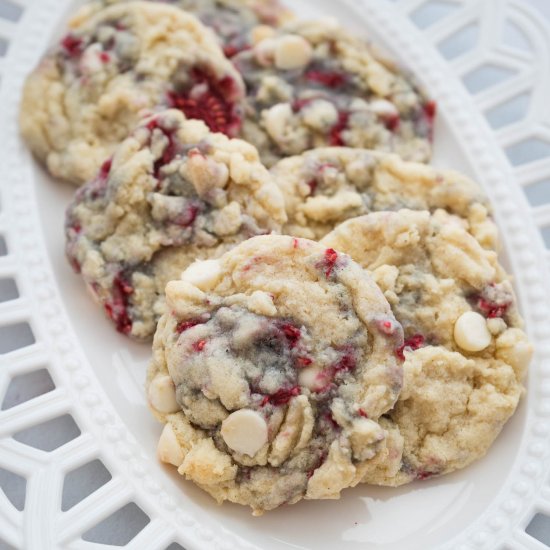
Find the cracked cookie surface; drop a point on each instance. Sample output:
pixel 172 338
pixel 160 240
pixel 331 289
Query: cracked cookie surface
pixel 173 192
pixel 91 89
pixel 465 354
pixel 311 84
pixel 327 186
pixel 270 371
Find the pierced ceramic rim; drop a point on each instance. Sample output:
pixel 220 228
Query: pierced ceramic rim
pixel 93 411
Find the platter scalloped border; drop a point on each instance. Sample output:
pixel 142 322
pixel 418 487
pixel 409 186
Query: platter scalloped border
pixel 521 491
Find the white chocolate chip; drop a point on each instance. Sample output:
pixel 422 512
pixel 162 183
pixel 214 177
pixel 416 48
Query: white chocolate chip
pixel 261 32
pixel 383 107
pixel 292 52
pixel 202 274
pixel 276 119
pixel 471 332
pixel 264 51
pixel 162 395
pixel 320 114
pixel 262 303
pixel 496 326
pixel 245 431
pixel 520 356
pixel 168 448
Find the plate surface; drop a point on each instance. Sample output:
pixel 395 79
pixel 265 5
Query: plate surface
pixel 99 375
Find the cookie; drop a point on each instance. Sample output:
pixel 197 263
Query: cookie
pixel 232 21
pixel 89 92
pixel 327 186
pixel 173 192
pixel 270 370
pixel 311 84
pixel 465 354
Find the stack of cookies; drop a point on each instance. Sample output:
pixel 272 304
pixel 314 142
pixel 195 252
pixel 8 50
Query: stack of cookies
pixel 253 191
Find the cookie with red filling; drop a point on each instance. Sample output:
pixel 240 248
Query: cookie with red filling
pixel 92 88
pixel 271 369
pixel 465 354
pixel 312 84
pixel 172 192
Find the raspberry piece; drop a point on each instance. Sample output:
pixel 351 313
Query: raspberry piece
pixel 336 139
pixel 386 327
pixel 392 122
pixel 345 364
pixel 153 124
pixel 74 264
pixel 231 50
pixel 282 396
pixel 98 186
pixel 331 257
pixel 72 45
pixel 303 361
pixel 123 285
pixel 199 346
pixel 412 343
pixel 105 169
pixel 312 186
pixel 104 57
pixel 170 151
pixel 492 310
pixel 331 421
pixel 299 104
pixel 424 475
pixel 430 110
pixel 117 307
pixel 493 301
pixel 188 216
pixel 212 105
pixel 330 79
pixel 292 334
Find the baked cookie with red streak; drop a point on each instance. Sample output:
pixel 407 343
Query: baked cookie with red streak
pixel 465 354
pixel 270 371
pixel 325 187
pixel 312 84
pixel 172 192
pixel 233 21
pixel 92 88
